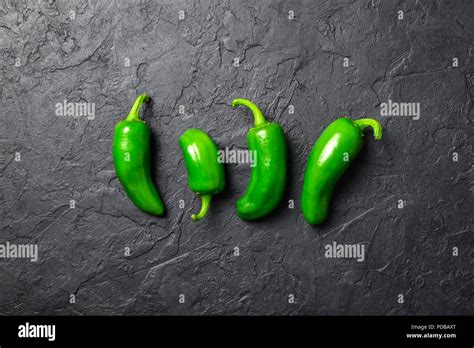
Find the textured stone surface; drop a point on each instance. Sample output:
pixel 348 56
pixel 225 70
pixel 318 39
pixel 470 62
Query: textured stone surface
pixel 189 62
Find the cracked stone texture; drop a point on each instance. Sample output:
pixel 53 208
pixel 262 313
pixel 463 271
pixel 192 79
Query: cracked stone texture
pixel 81 56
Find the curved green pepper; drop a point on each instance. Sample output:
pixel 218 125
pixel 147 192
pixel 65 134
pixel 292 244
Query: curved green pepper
pixel 268 177
pixel 131 154
pixel 332 154
pixel 205 172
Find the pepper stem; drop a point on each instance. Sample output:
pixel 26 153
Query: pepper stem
pixel 368 122
pixel 257 114
pixel 133 114
pixel 206 201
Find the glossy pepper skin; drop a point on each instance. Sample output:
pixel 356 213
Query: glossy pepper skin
pixel 268 176
pixel 332 154
pixel 131 154
pixel 205 173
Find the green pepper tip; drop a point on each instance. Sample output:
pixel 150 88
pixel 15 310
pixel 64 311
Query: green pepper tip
pixel 257 113
pixel 368 122
pixel 206 201
pixel 134 112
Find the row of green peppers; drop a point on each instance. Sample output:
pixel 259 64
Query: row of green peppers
pixel 330 157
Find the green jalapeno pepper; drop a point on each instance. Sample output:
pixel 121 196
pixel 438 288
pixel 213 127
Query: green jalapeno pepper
pixel 332 154
pixel 268 176
pixel 205 173
pixel 131 154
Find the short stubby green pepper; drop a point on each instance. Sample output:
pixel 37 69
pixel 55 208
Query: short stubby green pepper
pixel 205 172
pixel 332 154
pixel 131 154
pixel 268 176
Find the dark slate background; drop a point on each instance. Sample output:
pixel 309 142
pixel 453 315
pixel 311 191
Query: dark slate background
pixel 189 62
